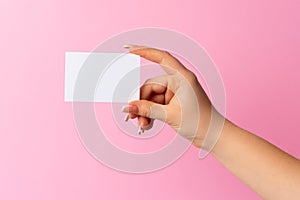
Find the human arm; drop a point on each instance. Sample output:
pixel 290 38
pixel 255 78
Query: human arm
pixel 269 171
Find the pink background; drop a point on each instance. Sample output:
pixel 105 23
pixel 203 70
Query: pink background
pixel 254 43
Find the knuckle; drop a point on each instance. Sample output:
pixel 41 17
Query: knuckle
pixel 144 108
pixel 148 81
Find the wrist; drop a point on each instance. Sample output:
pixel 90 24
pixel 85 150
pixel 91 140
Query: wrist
pixel 225 137
pixel 210 129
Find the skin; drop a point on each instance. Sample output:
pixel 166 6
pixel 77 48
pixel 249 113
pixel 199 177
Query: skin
pixel 266 169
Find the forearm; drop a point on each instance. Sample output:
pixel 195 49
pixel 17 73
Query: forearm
pixel 269 171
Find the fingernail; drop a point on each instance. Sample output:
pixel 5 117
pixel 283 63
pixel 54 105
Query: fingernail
pixel 126 117
pixel 140 130
pixel 127 46
pixel 130 109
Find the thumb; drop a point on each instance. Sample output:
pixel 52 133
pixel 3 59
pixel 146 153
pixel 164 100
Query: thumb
pixel 146 108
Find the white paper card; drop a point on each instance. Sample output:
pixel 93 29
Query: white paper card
pixel 101 77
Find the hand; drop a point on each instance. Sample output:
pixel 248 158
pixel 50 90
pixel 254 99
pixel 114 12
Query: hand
pixel 175 98
pixel 178 99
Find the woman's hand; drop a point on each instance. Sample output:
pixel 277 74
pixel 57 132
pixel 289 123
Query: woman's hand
pixel 176 98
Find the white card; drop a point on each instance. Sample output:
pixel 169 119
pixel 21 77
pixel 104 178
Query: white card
pixel 101 77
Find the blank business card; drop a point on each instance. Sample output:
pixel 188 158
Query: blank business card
pixel 101 77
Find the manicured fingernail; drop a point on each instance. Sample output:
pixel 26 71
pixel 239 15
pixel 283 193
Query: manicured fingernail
pixel 130 109
pixel 127 46
pixel 140 130
pixel 126 117
pixel 125 108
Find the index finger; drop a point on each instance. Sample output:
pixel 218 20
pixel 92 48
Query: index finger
pixel 168 62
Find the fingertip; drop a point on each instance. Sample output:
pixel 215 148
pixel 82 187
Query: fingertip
pixel 140 130
pixel 144 122
pixel 127 46
pixel 132 47
pixel 126 118
pixel 132 116
pixel 130 109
